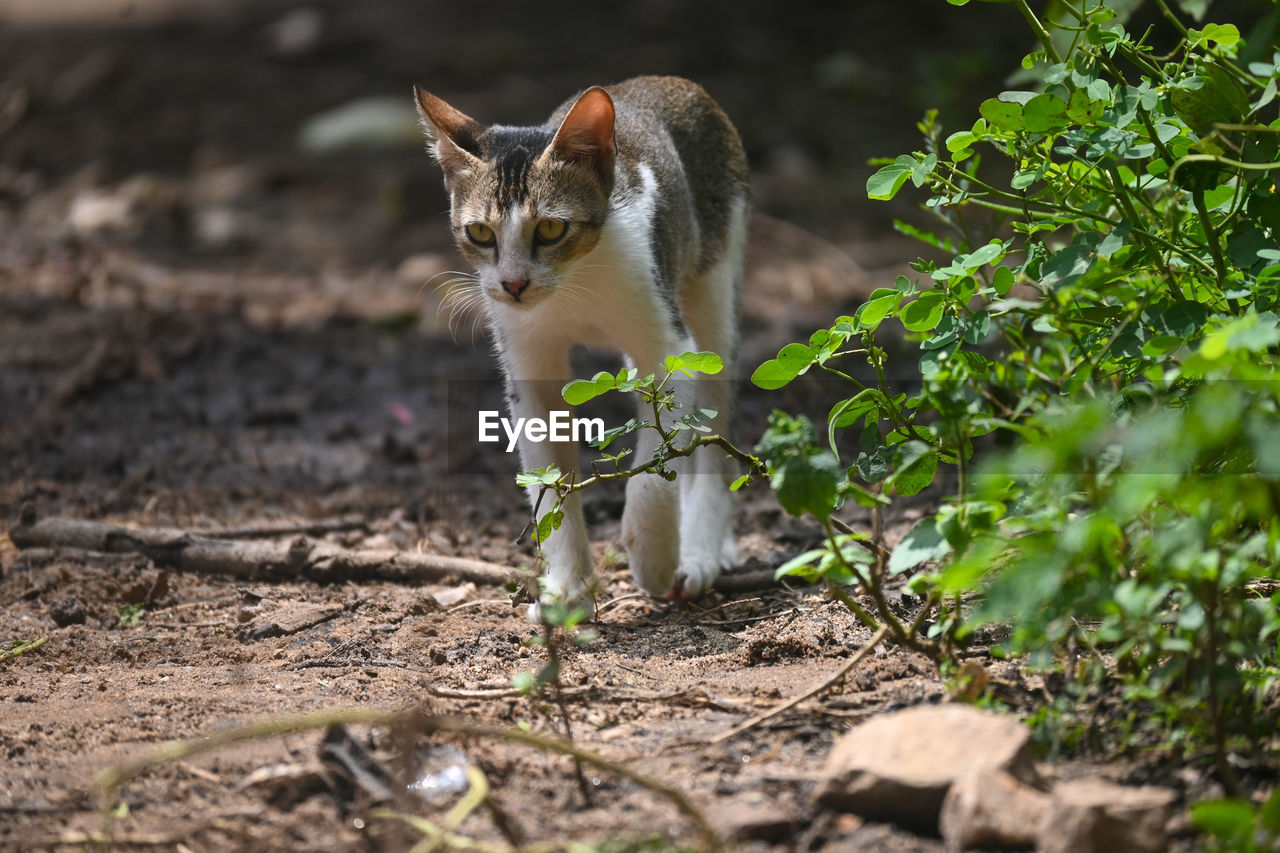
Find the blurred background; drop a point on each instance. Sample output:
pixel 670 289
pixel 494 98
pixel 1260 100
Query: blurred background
pixel 220 239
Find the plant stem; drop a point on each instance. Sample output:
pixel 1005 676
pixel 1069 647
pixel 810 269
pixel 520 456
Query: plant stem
pixel 1211 236
pixel 1046 40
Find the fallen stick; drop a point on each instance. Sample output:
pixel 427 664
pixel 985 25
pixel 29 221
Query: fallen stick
pixel 217 554
pixel 808 694
pixel 300 557
pixel 270 531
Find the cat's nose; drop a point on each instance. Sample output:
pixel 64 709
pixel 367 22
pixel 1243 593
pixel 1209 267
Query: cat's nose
pixel 516 287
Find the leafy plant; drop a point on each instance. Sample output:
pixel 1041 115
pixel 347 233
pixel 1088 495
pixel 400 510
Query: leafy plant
pixel 679 436
pixel 1106 301
pixel 130 615
pixel 1239 825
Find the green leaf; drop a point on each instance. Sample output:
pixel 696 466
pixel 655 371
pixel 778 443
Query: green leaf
pixel 1224 34
pixel 740 482
pixel 884 184
pixel 923 543
pixel 538 477
pixel 1002 114
pixel 872 313
pixel 978 328
pixel 611 435
pixel 1231 820
pixel 1045 112
pixel 690 363
pixel 1219 98
pixel 984 255
pixel 580 391
pixel 548 524
pixel 695 420
pixel 808 483
pixel 916 470
pixel 925 312
pixel 1084 107
pixel 792 360
pixel 1002 281
pixel 799 562
pixel 1161 345
pixel 1269 814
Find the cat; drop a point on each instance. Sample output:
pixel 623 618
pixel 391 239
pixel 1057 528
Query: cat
pixel 620 223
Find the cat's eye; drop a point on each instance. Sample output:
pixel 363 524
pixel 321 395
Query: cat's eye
pixel 549 230
pixel 480 234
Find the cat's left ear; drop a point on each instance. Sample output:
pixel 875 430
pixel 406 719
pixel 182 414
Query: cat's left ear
pixel 586 135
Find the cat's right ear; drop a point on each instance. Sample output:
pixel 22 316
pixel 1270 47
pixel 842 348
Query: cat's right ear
pixel 452 133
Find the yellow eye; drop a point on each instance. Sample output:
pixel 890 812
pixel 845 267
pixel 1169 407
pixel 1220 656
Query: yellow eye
pixel 480 234
pixel 550 230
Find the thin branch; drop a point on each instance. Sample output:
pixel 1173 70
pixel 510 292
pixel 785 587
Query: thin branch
pixel 826 684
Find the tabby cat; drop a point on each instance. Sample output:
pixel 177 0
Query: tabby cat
pixel 620 223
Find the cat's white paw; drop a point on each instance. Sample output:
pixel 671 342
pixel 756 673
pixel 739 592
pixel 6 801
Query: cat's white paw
pixel 698 570
pixel 579 599
pixel 649 532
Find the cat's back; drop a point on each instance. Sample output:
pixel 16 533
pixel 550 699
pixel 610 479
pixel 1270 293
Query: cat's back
pixel 704 137
pixel 673 127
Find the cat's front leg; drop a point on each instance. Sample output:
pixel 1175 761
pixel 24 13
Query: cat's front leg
pixel 567 550
pixel 651 519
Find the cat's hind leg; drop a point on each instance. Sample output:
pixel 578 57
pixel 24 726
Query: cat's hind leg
pixel 710 305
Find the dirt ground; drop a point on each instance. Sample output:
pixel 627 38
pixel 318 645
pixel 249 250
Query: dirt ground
pixel 203 327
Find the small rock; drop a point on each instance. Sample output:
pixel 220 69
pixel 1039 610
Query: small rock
pixel 759 821
pixel 67 611
pixel 991 809
pixel 94 211
pixel 456 595
pixel 1093 816
pixel 899 766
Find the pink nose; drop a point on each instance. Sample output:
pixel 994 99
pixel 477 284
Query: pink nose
pixel 515 288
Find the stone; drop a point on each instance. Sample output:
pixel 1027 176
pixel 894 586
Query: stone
pixel 68 611
pixel 989 809
pixel 899 766
pixel 742 819
pixel 1094 816
pixel 454 595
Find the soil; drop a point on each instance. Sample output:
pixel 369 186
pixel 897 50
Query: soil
pixel 203 327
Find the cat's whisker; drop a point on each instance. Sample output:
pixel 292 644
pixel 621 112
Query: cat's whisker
pixel 460 277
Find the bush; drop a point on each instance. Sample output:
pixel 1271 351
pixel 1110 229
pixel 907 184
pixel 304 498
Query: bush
pixel 1107 302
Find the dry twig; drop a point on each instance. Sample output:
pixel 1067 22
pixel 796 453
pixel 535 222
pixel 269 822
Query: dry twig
pixel 808 694
pixel 300 557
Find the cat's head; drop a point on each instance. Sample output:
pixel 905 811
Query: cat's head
pixel 526 202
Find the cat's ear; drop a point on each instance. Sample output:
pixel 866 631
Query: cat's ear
pixel 452 133
pixel 586 134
